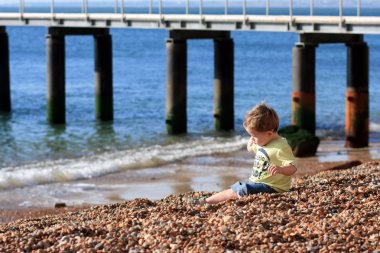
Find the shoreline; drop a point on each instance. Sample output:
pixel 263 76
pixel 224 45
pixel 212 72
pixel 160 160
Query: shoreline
pixel 205 173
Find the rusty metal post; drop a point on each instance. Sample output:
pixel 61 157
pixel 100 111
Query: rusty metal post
pixel 103 77
pixel 303 96
pixel 5 93
pixel 357 102
pixel 55 78
pixel 224 84
pixel 176 86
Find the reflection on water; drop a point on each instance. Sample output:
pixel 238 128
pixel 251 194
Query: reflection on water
pixel 227 180
pixel 334 151
pixel 183 184
pixel 55 140
pixel 7 140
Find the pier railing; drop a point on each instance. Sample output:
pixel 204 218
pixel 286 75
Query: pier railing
pixel 195 15
pixel 119 5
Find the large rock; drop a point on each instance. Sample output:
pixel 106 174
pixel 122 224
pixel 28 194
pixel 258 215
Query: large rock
pixel 302 141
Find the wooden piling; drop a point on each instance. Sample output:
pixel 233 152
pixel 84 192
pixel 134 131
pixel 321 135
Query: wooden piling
pixel 224 84
pixel 103 77
pixel 176 86
pixel 55 78
pixel 357 102
pixel 5 93
pixel 303 96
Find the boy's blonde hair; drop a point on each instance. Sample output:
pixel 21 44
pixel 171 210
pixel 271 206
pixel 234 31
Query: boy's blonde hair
pixel 261 118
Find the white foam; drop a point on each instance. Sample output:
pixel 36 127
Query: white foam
pixel 97 165
pixel 374 127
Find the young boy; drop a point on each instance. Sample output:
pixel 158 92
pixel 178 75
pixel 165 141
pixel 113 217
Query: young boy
pixel 273 165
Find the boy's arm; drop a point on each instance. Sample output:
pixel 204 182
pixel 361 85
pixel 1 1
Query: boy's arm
pixel 287 170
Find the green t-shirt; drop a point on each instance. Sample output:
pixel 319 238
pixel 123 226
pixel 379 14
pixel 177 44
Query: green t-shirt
pixel 277 152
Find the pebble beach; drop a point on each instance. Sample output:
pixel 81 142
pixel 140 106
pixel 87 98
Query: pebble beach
pixel 336 210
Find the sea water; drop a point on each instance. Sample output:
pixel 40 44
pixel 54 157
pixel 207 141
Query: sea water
pixel 33 152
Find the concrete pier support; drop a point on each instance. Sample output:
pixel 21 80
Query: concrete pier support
pixel 176 86
pixel 55 78
pixel 224 84
pixel 357 102
pixel 5 93
pixel 103 77
pixel 303 96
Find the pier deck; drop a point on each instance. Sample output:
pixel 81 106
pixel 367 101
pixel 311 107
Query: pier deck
pixel 271 23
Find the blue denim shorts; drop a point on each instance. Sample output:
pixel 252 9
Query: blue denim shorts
pixel 247 188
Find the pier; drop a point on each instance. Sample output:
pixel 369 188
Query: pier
pixel 187 25
pixel 55 74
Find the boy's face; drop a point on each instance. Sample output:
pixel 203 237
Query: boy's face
pixel 260 138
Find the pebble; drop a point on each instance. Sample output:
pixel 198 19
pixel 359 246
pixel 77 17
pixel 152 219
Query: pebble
pixel 332 211
pixel 227 218
pixel 60 205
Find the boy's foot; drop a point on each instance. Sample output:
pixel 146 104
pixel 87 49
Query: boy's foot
pixel 199 201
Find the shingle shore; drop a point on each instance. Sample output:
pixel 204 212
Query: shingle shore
pixel 333 211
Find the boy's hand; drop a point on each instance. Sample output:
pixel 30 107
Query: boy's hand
pixel 285 170
pixel 249 144
pixel 275 169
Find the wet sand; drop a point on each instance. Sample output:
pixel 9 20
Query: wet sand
pixel 207 173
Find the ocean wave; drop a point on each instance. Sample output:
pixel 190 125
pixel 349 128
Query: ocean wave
pixel 374 127
pixel 98 165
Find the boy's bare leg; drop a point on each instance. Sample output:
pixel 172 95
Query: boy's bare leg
pixel 222 196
